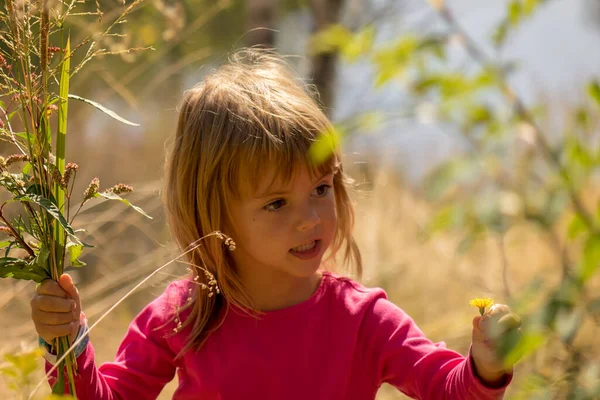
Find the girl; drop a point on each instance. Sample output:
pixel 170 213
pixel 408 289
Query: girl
pixel 262 316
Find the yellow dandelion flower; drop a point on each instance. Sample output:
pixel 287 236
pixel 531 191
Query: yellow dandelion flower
pixel 482 304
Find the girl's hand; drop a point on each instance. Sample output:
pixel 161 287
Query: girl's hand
pixel 56 308
pixel 488 330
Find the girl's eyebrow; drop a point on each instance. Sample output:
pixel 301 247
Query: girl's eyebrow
pixel 285 192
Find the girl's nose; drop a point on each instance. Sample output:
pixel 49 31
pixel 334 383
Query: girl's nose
pixel 309 219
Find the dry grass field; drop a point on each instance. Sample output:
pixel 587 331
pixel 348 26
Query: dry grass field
pixel 427 278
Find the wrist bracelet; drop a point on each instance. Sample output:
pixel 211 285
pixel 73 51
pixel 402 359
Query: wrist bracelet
pixel 78 350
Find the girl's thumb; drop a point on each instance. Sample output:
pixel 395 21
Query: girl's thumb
pixel 66 282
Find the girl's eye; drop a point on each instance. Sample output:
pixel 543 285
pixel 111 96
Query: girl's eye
pixel 322 190
pixel 275 205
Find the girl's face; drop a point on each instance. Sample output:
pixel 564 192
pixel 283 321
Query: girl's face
pixel 282 231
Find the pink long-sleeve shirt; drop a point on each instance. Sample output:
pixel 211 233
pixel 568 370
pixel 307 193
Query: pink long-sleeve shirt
pixel 341 343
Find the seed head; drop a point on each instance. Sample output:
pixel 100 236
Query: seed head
pixel 1 124
pixel 69 169
pixel 15 158
pixel 120 188
pixel 92 189
pixel 51 109
pixel 56 177
pixel 7 230
pixel 230 244
pixel 227 240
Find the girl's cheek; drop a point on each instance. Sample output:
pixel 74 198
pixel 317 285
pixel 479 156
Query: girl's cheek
pixel 328 210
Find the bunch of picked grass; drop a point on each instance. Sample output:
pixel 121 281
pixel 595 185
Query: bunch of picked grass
pixel 35 71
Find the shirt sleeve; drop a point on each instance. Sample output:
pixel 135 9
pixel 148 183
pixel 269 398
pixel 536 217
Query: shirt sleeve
pixel 417 367
pixel 144 364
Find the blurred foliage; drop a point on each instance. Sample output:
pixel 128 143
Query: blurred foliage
pixel 513 173
pixel 20 372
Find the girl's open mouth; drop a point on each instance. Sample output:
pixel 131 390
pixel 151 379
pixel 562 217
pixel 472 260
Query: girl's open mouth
pixel 307 250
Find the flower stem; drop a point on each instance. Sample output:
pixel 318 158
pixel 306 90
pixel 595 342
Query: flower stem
pixel 16 234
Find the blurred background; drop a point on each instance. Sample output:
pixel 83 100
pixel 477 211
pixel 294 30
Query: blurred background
pixel 471 129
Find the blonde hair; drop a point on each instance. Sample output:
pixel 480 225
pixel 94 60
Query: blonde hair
pixel 247 115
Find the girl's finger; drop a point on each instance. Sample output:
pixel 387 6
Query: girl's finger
pixel 51 288
pixel 497 310
pixel 66 282
pixel 493 315
pixel 52 304
pixel 52 318
pixel 478 334
pixel 509 321
pixel 50 332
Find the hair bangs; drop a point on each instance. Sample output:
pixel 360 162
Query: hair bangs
pixel 262 162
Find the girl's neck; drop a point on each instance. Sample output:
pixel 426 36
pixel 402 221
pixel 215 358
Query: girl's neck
pixel 275 291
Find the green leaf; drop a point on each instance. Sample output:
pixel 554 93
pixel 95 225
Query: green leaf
pixel 582 118
pixel 61 144
pixel 63 108
pixel 435 46
pixel 454 85
pixel 528 343
pixel 50 208
pixel 25 135
pixel 325 145
pixel 393 61
pixel 515 12
pixel 449 217
pixel 24 364
pixel 42 256
pixel 594 91
pixel 477 115
pixel 59 386
pixel 112 196
pixel 424 85
pixel 5 243
pixel 591 258
pixel 9 371
pixel 75 250
pixel 331 39
pixel 19 269
pixel 27 168
pixel 486 78
pixel 576 227
pixel 578 154
pixel 360 44
pixel 12 114
pixel 500 33
pixel 529 6
pixel 103 109
pixel 9 248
